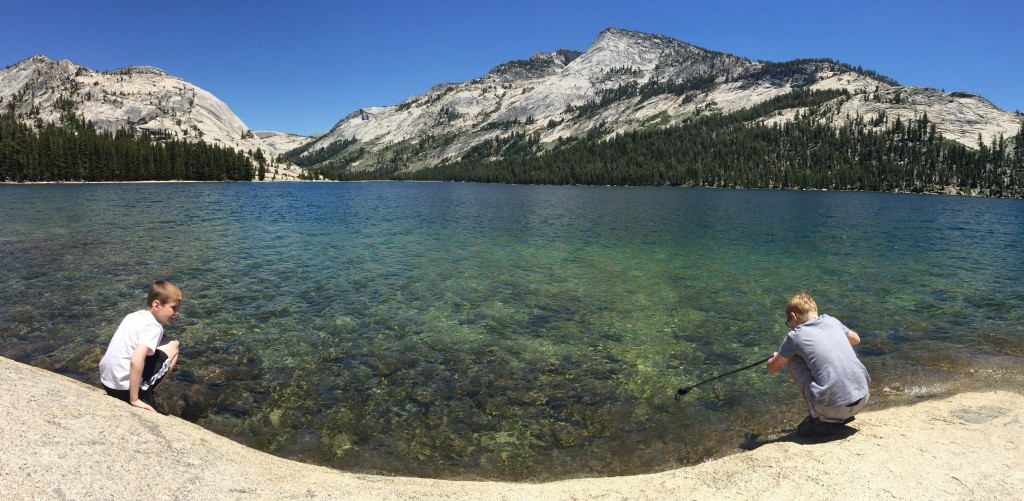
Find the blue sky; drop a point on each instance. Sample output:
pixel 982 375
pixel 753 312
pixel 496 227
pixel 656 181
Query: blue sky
pixel 300 66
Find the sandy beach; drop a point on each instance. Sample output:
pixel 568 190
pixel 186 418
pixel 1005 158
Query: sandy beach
pixel 63 439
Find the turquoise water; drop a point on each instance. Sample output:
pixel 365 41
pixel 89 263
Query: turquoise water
pixel 514 332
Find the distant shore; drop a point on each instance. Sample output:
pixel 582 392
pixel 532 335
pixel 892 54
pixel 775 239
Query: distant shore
pixel 940 191
pixel 67 440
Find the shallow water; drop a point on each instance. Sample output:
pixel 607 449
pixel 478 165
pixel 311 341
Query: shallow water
pixel 516 332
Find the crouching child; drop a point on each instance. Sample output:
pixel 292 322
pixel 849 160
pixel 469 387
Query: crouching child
pixel 819 352
pixel 139 356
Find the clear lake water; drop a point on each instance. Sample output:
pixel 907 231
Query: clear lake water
pixel 477 331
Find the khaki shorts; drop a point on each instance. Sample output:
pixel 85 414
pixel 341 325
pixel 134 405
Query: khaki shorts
pixel 801 375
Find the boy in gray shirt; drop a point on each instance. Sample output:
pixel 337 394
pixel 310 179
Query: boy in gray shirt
pixel 822 363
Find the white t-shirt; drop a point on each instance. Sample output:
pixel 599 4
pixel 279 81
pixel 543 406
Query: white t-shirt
pixel 136 328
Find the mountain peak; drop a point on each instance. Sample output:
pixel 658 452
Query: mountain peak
pixel 625 81
pixel 612 31
pixel 142 98
pixel 140 70
pixel 619 35
pixel 651 56
pixel 36 59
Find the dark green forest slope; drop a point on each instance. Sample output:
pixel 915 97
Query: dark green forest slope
pixel 75 151
pixel 736 150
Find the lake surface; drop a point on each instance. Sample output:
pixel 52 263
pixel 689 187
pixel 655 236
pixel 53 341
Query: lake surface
pixel 512 332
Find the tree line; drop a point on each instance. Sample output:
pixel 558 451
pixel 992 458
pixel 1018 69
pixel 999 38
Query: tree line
pixel 738 151
pixel 74 150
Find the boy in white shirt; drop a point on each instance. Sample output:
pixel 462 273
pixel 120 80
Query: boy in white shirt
pixel 139 355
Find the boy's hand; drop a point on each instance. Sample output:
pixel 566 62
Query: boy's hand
pixel 142 405
pixel 776 362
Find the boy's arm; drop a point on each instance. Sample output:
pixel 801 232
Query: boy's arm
pixel 853 337
pixel 776 363
pixel 135 377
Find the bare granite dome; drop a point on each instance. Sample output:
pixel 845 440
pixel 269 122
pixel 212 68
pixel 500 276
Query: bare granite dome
pixel 543 96
pixel 551 96
pixel 138 97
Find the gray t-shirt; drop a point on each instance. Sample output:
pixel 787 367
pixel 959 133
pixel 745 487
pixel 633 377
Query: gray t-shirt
pixel 839 377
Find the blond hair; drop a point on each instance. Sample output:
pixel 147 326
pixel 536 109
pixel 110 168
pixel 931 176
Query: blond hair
pixel 803 306
pixel 165 292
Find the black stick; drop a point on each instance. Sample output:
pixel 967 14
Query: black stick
pixel 684 391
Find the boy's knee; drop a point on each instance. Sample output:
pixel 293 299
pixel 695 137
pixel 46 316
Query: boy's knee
pixel 170 348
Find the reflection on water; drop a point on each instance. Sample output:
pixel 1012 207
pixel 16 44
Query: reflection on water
pixel 460 330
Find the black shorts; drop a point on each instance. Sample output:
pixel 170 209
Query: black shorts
pixel 153 372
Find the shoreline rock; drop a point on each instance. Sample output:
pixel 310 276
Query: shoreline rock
pixel 63 439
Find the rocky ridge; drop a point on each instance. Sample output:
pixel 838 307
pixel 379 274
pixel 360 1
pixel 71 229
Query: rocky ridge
pixel 142 98
pixel 282 142
pixel 624 81
pixel 627 81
